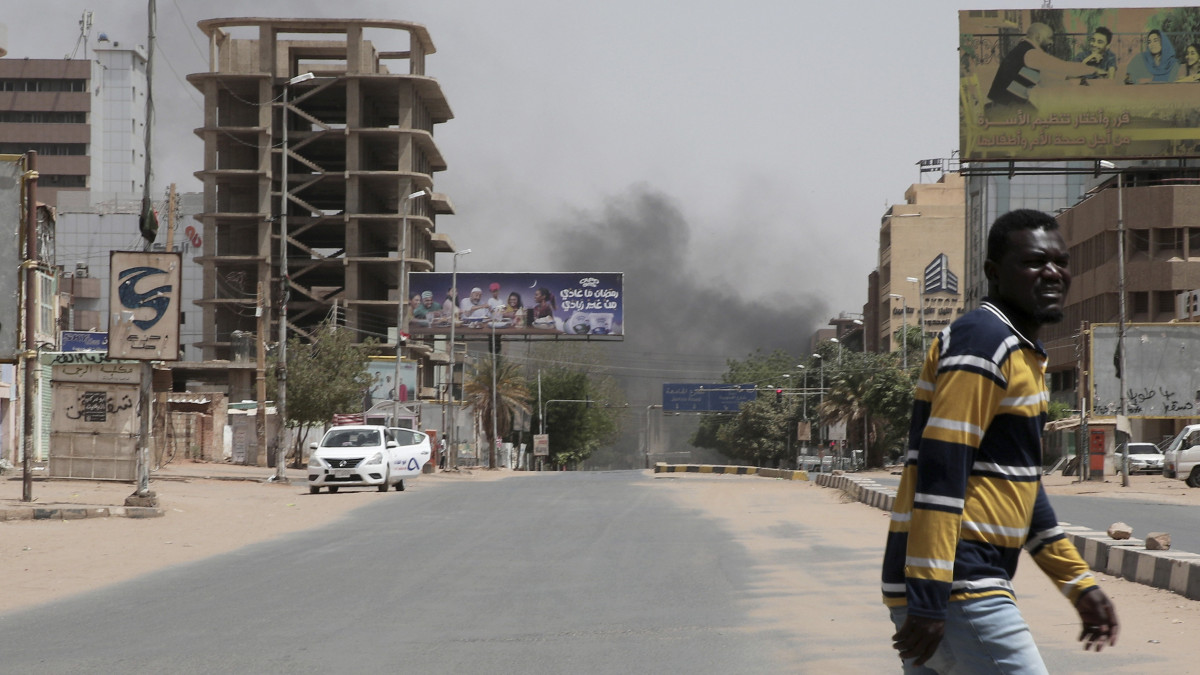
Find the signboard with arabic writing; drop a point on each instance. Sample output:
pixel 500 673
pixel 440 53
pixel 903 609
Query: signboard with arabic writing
pixel 143 305
pixel 575 305
pixel 1161 379
pixel 1079 83
pixel 686 397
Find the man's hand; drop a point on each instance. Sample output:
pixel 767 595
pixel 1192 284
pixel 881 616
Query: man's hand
pixel 919 638
pixel 1100 626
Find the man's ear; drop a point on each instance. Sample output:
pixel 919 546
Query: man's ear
pixel 989 271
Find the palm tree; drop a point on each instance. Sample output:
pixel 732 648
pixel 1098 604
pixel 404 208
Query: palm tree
pixel 512 395
pixel 872 394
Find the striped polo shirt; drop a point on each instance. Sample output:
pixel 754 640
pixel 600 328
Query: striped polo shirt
pixel 971 495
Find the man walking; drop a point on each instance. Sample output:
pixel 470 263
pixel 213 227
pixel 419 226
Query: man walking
pixel 971 494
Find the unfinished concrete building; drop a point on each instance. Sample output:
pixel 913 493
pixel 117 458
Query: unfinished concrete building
pixel 358 141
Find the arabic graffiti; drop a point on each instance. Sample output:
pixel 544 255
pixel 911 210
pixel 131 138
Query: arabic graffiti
pixel 95 406
pixel 1146 402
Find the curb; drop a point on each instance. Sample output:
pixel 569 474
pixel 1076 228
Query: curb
pixel 1175 571
pixel 786 474
pixel 78 512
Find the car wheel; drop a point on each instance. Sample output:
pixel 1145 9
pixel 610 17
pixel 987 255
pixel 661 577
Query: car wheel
pixel 400 486
pixel 313 489
pixel 1193 479
pixel 333 489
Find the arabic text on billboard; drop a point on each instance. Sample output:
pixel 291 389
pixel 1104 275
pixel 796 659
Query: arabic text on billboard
pixel 1079 83
pixel 682 397
pixel 581 305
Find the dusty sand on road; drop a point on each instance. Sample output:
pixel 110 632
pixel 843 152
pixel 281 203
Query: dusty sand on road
pixel 834 605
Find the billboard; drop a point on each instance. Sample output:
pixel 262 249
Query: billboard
pixel 383 372
pixel 1044 84
pixel 143 305
pixel 1161 378
pixel 706 397
pixel 577 305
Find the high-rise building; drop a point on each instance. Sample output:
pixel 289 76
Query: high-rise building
pixel 920 260
pixel 359 143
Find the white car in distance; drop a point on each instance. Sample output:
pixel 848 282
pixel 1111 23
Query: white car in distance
pixel 366 456
pixel 1143 458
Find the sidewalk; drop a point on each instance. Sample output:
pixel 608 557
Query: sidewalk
pixel 75 499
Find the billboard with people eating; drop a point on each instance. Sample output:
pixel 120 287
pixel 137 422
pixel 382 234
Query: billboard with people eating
pixel 579 305
pixel 1046 84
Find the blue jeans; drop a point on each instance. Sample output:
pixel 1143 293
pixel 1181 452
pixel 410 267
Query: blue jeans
pixel 985 635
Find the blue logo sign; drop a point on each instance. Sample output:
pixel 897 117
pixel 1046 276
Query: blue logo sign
pixel 157 299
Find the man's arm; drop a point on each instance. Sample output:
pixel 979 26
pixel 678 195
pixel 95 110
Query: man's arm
pixel 1040 60
pixel 1060 560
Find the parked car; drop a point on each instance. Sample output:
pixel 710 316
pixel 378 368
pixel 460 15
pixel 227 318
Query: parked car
pixel 1143 458
pixel 1181 459
pixel 366 455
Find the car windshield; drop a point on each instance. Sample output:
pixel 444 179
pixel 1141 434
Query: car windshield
pixel 1144 449
pixel 351 438
pixel 407 436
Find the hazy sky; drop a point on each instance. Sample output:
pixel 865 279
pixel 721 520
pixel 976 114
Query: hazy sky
pixel 732 158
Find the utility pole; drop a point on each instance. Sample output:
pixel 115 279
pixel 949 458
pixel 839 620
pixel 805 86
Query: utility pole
pixel 260 370
pixel 30 355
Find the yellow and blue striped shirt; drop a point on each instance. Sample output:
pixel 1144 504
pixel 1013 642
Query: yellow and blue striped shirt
pixel 971 495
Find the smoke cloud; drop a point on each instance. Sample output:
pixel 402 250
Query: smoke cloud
pixel 676 311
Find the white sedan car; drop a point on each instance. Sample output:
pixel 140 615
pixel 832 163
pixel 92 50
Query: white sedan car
pixel 366 456
pixel 1143 458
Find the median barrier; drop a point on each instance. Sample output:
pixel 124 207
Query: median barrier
pixel 785 474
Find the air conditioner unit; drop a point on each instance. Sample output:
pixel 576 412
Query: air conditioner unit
pixel 81 270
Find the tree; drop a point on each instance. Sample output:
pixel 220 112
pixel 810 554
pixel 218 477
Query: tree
pixel 324 377
pixel 576 428
pixel 511 396
pixel 872 394
pixel 727 434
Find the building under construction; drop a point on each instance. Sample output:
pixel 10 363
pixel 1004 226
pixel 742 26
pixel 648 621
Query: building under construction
pixel 330 163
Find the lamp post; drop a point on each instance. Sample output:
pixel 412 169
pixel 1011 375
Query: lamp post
pixel 921 303
pixel 450 363
pixel 495 355
pixel 820 399
pixel 839 344
pixel 402 291
pixel 903 327
pixel 285 284
pixel 1121 307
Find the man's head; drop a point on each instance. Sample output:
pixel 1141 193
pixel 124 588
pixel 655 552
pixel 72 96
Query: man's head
pixel 1026 269
pixel 1100 40
pixel 1041 35
pixel 495 289
pixel 476 294
pixel 427 298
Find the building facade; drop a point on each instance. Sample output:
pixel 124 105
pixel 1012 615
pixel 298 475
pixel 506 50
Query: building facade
pixel 359 143
pixel 921 250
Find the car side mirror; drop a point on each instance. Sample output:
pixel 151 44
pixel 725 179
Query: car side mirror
pixel 393 444
pixel 312 446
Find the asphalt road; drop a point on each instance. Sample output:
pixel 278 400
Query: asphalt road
pixel 562 573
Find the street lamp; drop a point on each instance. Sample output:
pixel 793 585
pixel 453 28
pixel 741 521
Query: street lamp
pixel 1121 302
pixel 450 363
pixel 820 400
pixel 839 344
pixel 495 355
pixel 402 291
pixel 921 302
pixel 285 284
pixel 903 327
